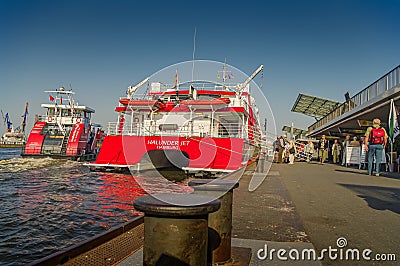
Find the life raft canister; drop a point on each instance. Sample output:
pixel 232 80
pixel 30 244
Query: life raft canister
pixel 121 123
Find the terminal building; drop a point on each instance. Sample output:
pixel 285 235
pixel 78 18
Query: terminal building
pixel 351 117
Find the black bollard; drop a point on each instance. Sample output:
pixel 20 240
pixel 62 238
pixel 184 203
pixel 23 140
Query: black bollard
pixel 221 220
pixel 175 228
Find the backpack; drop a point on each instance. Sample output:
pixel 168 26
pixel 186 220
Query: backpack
pixel 377 135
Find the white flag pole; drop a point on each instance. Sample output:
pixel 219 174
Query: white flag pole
pixel 390 132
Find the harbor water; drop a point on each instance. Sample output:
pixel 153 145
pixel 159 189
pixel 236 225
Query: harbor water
pixel 49 205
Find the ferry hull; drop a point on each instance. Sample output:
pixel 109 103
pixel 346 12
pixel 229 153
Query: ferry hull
pixel 218 154
pixel 72 146
pixel 90 157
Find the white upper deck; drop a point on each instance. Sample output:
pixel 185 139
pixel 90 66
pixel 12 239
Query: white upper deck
pixel 63 109
pixel 63 99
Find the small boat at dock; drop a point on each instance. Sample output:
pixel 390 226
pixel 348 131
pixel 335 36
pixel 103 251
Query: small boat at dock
pixel 65 131
pixel 14 138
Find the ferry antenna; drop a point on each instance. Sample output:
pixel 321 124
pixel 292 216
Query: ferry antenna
pixel 194 51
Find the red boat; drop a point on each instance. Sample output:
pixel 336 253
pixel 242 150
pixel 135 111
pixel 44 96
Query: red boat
pixel 65 131
pixel 211 130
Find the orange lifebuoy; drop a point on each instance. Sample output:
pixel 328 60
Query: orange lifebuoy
pixel 78 120
pixel 49 119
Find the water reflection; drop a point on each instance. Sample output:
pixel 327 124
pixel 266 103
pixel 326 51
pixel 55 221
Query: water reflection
pixel 48 205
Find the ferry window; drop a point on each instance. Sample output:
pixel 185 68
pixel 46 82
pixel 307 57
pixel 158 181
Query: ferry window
pixel 66 112
pixel 222 130
pixel 50 111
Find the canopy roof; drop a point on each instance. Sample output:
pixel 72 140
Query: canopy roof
pixel 296 131
pixel 314 106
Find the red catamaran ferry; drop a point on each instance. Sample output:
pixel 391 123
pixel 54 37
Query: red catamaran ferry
pixel 65 131
pixel 199 127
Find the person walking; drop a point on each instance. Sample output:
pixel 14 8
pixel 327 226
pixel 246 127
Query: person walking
pixel 276 150
pixel 335 151
pixel 310 150
pixel 281 147
pixel 340 152
pixel 375 142
pixel 346 143
pixel 292 151
pixel 354 142
pixel 323 149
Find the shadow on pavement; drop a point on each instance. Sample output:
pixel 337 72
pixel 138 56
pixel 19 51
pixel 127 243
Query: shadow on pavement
pixel 364 172
pixel 379 198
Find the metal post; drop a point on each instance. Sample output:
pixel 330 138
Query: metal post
pixel 221 220
pixel 260 165
pixel 175 228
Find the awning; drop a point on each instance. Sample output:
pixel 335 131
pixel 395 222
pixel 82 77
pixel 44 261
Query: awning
pixel 314 106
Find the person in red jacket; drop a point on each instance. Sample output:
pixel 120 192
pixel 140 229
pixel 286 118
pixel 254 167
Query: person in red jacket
pixel 375 142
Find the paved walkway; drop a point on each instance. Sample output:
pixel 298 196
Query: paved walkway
pixel 309 206
pixel 263 219
pixel 266 218
pixel 333 201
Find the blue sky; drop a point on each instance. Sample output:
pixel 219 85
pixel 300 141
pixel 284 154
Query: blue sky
pixel 322 48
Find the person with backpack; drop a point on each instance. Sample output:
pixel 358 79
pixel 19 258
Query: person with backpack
pixel 375 142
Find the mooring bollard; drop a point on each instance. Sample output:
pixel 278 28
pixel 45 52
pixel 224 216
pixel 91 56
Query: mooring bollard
pixel 176 228
pixel 221 220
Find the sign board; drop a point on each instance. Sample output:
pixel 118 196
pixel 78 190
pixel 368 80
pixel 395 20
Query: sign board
pixel 358 155
pixel 353 155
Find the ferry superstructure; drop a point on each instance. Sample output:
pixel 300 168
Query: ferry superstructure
pixel 200 127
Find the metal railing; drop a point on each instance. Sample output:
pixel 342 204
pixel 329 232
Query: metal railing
pixel 385 83
pixel 233 130
pixel 63 119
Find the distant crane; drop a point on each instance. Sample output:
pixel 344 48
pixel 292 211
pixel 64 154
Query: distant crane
pixel 23 123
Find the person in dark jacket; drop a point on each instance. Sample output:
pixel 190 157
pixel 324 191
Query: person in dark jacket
pixel 281 147
pixel 323 149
